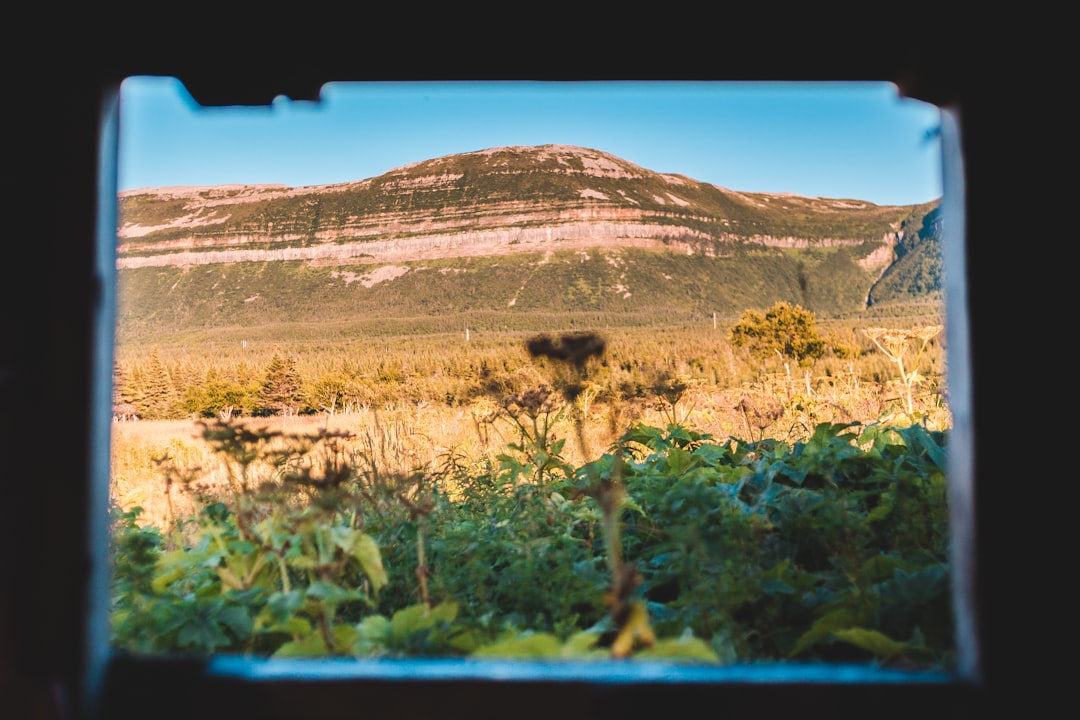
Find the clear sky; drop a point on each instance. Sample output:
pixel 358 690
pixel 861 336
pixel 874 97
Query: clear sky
pixel 834 140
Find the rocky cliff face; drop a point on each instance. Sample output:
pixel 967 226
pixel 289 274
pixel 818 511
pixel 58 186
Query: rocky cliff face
pixel 491 202
pixel 517 234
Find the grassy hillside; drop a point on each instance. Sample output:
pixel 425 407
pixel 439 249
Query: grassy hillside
pixel 623 287
pixel 916 273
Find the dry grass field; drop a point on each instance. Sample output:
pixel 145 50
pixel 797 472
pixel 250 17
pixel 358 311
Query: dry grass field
pixel 149 456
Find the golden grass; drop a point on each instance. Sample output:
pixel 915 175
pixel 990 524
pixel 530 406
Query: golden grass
pixel 420 436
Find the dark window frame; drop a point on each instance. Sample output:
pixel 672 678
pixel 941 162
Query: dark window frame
pixel 59 620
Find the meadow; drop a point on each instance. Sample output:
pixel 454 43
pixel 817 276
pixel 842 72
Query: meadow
pixel 410 400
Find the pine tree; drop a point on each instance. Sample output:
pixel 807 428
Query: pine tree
pixel 281 392
pixel 124 390
pixel 159 400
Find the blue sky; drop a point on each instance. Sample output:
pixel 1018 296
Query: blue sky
pixel 835 140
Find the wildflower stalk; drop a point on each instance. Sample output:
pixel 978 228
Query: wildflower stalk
pixel 572 353
pixel 895 345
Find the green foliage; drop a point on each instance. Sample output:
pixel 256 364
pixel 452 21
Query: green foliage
pixel 622 286
pixel 833 548
pixel 220 397
pixel 154 390
pixel 281 564
pixel 917 271
pixel 281 392
pixel 785 330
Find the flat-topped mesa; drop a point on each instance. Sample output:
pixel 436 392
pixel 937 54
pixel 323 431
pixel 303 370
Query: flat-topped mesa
pixel 492 201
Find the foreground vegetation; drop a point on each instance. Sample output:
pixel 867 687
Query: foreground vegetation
pixel 809 535
pixel 671 544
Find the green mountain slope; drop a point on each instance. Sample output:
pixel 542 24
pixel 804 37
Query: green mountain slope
pixel 915 274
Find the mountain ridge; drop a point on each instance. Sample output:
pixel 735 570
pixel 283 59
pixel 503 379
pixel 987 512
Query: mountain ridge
pixel 419 198
pixel 534 207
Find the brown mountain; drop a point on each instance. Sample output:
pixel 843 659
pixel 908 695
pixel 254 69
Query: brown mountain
pixel 534 204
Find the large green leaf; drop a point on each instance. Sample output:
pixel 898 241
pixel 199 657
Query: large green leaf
pixel 873 641
pixel 331 594
pixel 237 619
pixel 583 644
pixel 172 566
pixel 419 618
pixel 824 627
pixel 372 636
pixel 311 646
pixel 535 645
pixel 680 648
pixel 201 630
pixel 314 645
pixel 366 550
pixel 281 606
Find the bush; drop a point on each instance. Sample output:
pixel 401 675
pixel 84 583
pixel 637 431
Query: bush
pixel 788 331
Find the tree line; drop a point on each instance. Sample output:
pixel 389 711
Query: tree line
pixel 313 380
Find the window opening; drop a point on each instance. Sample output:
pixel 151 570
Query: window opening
pixel 524 396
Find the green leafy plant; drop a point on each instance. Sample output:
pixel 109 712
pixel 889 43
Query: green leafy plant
pixel 671 544
pixel 276 568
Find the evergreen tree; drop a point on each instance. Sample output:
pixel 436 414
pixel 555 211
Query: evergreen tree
pixel 124 390
pixel 160 400
pixel 185 375
pixel 281 392
pixel 133 390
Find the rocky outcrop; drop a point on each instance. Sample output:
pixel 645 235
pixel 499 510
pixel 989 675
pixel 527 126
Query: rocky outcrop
pixel 495 201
